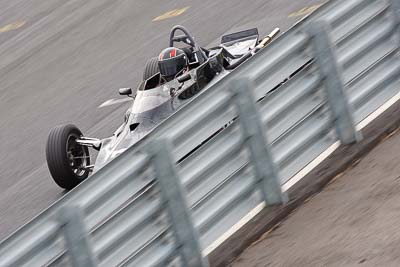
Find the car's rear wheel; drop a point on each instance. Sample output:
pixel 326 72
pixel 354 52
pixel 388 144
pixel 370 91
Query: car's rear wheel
pixel 151 68
pixel 67 160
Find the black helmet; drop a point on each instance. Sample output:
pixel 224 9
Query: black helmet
pixel 171 61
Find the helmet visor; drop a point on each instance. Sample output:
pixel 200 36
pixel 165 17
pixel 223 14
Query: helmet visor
pixel 172 66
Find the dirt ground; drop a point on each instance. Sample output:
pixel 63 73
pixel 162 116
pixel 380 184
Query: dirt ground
pixel 354 221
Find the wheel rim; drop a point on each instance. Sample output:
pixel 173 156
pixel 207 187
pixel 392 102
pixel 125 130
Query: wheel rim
pixel 77 156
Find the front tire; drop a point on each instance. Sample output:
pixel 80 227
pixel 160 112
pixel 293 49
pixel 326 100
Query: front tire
pixel 151 68
pixel 67 160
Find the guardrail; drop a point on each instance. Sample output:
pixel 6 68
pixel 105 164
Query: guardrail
pixel 308 91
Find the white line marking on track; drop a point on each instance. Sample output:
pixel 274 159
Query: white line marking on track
pixel 292 181
pixel 300 175
pixel 234 228
pixel 378 112
pixel 310 166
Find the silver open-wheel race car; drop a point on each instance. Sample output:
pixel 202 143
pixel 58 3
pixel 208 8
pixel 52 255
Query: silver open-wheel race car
pixel 168 82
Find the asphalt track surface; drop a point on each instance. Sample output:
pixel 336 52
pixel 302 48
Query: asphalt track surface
pixel 352 222
pixel 70 56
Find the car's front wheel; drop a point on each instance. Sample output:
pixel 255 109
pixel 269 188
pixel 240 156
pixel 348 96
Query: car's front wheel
pixel 67 159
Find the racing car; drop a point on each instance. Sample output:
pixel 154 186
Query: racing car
pixel 169 81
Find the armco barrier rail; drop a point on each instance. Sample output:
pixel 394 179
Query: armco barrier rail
pixel 142 209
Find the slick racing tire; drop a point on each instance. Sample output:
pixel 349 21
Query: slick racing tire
pixel 67 160
pixel 151 68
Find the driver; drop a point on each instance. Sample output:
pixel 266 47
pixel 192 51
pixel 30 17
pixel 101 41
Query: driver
pixel 172 62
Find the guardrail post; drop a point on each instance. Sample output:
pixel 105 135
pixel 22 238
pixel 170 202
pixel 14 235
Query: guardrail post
pixel 324 55
pixel 76 237
pixel 173 195
pixel 260 151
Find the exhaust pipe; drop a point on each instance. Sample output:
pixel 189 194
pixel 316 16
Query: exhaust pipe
pixel 268 38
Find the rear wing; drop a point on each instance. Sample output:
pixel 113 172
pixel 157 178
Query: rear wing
pixel 249 34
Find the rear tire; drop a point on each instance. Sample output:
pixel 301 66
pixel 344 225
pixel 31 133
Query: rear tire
pixel 66 159
pixel 151 68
